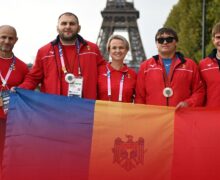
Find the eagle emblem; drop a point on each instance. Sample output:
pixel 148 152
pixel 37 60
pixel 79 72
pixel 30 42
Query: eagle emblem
pixel 128 154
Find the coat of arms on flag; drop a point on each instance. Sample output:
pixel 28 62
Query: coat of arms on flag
pixel 128 154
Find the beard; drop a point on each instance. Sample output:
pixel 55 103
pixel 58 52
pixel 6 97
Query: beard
pixel 6 48
pixel 66 38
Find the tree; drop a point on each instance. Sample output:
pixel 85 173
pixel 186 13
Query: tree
pixel 186 19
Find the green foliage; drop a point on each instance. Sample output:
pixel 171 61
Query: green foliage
pixel 186 19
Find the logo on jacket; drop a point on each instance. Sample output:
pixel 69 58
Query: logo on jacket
pixel 51 52
pixel 183 66
pixel 128 154
pixel 209 65
pixel 128 76
pixel 88 47
pixel 152 65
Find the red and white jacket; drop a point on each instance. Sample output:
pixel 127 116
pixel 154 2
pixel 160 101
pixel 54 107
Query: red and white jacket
pixel 129 83
pixel 47 69
pixel 183 78
pixel 16 77
pixel 210 72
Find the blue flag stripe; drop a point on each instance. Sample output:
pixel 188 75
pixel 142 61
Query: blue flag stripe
pixel 47 132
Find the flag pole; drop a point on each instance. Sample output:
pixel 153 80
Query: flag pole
pixel 203 28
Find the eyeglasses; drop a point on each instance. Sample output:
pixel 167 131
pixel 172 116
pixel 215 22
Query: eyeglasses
pixel 167 39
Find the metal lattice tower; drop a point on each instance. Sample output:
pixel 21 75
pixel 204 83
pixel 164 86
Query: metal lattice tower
pixel 120 17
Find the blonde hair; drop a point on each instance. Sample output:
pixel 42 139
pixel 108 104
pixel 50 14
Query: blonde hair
pixel 116 36
pixel 216 29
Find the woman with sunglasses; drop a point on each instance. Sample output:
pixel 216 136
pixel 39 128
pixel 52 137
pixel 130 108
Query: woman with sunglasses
pixel 116 81
pixel 169 79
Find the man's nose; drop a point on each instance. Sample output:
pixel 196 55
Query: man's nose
pixel 68 25
pixel 7 40
pixel 117 49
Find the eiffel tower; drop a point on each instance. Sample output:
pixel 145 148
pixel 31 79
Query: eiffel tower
pixel 120 17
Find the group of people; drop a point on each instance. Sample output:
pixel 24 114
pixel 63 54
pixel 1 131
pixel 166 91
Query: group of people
pixel 73 66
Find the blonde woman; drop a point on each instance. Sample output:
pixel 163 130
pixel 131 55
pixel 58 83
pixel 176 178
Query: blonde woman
pixel 116 81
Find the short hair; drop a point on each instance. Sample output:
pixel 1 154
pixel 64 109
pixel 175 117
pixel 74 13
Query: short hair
pixel 69 14
pixel 216 29
pixel 166 30
pixel 116 36
pixel 11 27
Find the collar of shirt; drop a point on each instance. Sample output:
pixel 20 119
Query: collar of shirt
pixel 124 69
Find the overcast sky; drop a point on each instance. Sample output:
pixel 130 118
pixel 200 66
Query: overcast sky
pixel 36 21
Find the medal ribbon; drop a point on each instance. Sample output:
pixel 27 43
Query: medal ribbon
pixel 62 57
pixel 166 81
pixel 120 86
pixel 4 80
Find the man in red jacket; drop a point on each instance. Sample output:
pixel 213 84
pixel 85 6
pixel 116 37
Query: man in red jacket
pixel 12 73
pixel 169 79
pixel 210 70
pixel 68 65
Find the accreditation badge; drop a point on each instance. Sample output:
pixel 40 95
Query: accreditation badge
pixel 75 88
pixel 5 100
pixel 167 92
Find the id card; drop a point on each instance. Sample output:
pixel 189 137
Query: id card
pixel 75 88
pixel 5 100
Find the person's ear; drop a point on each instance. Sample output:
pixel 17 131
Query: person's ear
pixel 79 28
pixel 57 29
pixel 213 40
pixel 16 39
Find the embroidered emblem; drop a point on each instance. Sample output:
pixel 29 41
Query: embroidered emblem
pixel 129 154
pixel 51 52
pixel 88 48
pixel 209 65
pixel 152 65
pixel 183 66
pixel 129 76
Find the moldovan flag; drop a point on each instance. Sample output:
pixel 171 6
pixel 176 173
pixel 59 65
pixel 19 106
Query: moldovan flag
pixel 51 137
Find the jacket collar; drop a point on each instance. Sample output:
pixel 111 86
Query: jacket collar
pixel 179 55
pixel 212 55
pixel 124 69
pixel 80 38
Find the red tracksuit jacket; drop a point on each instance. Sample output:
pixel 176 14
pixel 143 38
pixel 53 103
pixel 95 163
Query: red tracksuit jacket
pixel 210 72
pixel 116 75
pixel 48 72
pixel 183 78
pixel 16 77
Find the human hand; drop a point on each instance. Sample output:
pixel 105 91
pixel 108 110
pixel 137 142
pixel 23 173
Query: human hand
pixel 13 89
pixel 181 104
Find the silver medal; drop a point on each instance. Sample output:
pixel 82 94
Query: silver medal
pixel 167 92
pixel 69 78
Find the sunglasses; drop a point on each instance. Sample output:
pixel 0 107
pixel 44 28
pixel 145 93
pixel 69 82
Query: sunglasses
pixel 167 39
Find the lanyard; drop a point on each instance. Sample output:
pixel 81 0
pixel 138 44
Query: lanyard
pixel 167 82
pixel 120 86
pixel 11 68
pixel 168 91
pixel 62 57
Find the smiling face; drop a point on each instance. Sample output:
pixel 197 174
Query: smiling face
pixel 8 38
pixel 117 50
pixel 216 42
pixel 166 45
pixel 68 27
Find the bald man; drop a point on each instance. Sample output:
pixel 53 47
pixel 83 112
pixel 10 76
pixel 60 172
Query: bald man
pixel 12 73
